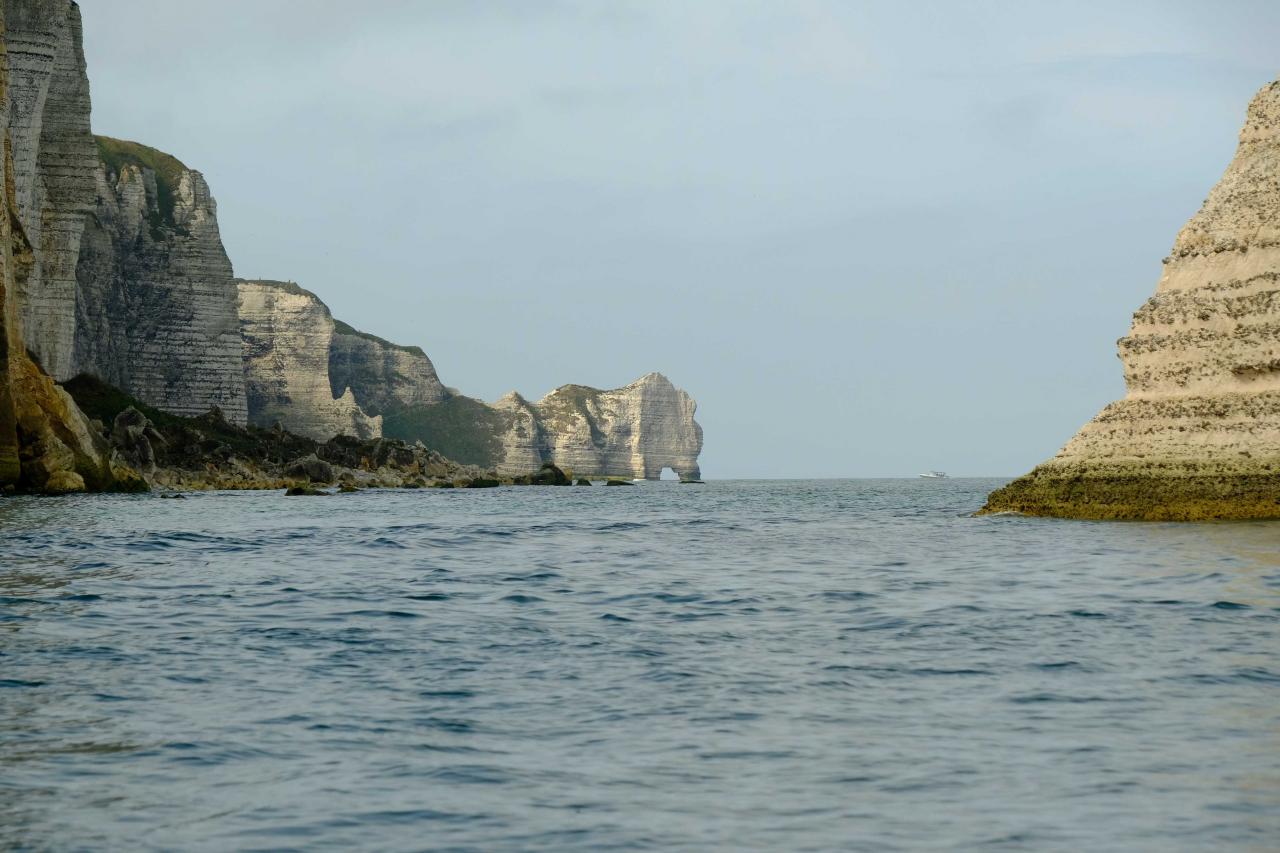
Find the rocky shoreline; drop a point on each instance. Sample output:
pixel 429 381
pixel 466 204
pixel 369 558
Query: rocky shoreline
pixel 151 449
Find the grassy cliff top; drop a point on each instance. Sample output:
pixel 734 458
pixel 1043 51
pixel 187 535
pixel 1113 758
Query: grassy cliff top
pixel 342 328
pixel 115 154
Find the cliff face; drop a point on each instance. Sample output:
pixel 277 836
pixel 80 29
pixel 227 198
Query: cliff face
pixel 54 160
pixel 129 280
pixel 382 375
pixel 157 305
pixel 1198 432
pixel 286 333
pixel 46 443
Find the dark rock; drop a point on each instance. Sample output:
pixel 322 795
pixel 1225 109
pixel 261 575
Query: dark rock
pixel 583 482
pixel 305 491
pixel 132 434
pixel 311 468
pixel 483 483
pixel 550 475
pixel 619 483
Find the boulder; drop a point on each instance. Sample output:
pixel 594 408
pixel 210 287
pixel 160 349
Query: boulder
pixel 311 468
pixel 64 483
pixel 551 475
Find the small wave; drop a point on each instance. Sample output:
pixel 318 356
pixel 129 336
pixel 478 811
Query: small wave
pixel 390 614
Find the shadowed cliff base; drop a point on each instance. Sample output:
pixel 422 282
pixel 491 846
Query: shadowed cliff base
pixel 208 452
pixel 1152 492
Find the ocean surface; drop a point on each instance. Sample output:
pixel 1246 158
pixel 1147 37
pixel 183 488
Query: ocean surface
pixel 782 666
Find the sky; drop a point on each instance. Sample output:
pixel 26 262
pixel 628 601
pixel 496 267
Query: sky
pixel 870 238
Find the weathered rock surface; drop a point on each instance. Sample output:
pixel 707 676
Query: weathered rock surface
pixel 156 301
pixel 46 442
pixel 286 333
pixel 381 375
pixel 1197 435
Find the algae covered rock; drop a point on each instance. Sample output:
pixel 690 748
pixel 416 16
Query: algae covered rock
pixel 64 483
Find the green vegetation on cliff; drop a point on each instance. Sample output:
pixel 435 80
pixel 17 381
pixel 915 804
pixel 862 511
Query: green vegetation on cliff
pixel 461 428
pixel 103 402
pixel 341 328
pixel 118 153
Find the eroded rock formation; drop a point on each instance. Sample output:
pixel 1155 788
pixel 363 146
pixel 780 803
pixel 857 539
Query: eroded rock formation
pixel 1197 435
pixel 635 431
pixel 632 432
pixel 287 333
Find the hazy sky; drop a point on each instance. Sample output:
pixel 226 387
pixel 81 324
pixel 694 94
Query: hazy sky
pixel 869 237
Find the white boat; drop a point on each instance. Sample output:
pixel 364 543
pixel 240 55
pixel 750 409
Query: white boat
pixel 936 475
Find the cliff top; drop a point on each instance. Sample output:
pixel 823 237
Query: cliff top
pixel 115 154
pixel 342 328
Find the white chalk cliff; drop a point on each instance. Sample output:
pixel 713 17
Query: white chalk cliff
pixel 286 333
pixel 635 432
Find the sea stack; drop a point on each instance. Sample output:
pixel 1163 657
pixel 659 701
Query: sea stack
pixel 1197 435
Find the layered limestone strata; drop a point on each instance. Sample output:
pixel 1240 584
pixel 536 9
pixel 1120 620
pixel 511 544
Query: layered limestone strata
pixel 54 160
pixel 286 333
pixel 381 374
pixel 157 305
pixel 1197 435
pixel 46 443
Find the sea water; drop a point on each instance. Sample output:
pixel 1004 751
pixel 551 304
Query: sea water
pixel 827 665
